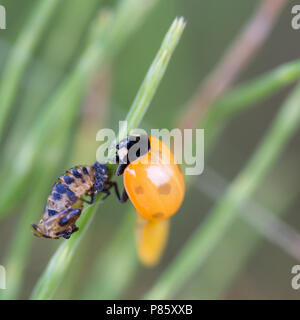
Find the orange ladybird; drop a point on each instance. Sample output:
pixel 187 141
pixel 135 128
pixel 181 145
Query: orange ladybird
pixel 153 181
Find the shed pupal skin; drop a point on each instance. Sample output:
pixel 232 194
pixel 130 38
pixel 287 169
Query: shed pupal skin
pixel 66 199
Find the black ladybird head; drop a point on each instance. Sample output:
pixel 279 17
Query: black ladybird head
pixel 101 176
pixel 123 148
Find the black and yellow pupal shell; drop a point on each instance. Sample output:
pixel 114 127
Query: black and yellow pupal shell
pixel 65 202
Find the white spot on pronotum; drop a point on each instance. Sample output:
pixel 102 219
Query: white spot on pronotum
pixel 2 18
pixel 122 153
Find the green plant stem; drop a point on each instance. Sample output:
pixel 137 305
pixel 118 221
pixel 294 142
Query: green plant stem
pixel 62 109
pixel 206 236
pixel 21 54
pixel 59 263
pixel 154 75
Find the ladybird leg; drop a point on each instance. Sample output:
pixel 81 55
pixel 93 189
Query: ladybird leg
pixel 121 168
pixel 92 198
pixel 122 199
pixel 124 196
pixel 111 184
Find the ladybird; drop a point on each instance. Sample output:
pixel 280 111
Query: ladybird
pixel 153 181
pixel 65 202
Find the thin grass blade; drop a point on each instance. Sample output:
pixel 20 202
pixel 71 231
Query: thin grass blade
pixel 21 53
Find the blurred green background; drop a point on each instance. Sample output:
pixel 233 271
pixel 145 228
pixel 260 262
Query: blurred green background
pixel 245 264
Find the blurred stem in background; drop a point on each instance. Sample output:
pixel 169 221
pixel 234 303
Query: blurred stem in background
pixel 61 111
pixel 242 238
pixel 264 221
pixel 47 70
pixel 95 114
pixel 59 263
pixel 239 99
pixel 21 55
pixel 206 236
pixel 245 96
pixel 237 57
pixel 18 251
pixel 109 279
